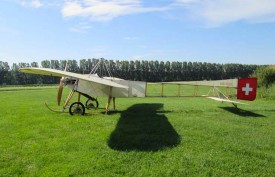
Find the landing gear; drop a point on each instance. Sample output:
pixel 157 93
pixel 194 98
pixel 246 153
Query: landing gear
pixel 77 108
pixel 91 103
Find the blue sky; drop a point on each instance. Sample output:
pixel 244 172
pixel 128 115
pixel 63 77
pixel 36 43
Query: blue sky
pixel 217 31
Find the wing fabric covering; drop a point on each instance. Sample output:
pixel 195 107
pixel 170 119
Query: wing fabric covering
pixel 54 72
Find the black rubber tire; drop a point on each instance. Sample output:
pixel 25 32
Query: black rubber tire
pixel 77 108
pixel 91 103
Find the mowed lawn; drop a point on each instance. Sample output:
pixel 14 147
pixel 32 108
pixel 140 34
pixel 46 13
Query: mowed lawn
pixel 187 136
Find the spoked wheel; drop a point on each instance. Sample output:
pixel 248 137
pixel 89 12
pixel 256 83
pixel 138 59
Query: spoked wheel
pixel 91 103
pixel 77 108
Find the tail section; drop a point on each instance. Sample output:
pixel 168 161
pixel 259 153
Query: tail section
pixel 247 89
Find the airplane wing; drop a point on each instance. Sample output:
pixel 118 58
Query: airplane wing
pixel 54 72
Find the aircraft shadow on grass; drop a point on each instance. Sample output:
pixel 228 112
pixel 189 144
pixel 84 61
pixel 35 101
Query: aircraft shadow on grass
pixel 143 127
pixel 241 112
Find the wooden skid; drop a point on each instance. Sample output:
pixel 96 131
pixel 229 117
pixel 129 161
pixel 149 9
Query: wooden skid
pixel 55 110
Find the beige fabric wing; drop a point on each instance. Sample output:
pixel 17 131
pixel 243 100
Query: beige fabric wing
pixel 54 72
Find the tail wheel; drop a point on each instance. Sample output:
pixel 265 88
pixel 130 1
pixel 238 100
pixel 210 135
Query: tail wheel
pixel 77 108
pixel 91 103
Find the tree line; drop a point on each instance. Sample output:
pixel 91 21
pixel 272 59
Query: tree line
pixel 139 70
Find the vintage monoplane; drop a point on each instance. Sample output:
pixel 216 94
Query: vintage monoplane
pixel 92 86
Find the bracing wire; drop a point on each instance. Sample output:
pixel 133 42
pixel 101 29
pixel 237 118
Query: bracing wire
pixel 108 69
pixel 95 68
pixel 103 66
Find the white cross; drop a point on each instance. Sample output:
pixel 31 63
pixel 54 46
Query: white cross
pixel 247 89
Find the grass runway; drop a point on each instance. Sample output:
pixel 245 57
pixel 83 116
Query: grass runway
pixel 145 137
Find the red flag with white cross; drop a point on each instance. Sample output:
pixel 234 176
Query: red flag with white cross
pixel 247 89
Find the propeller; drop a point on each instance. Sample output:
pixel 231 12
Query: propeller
pixel 60 88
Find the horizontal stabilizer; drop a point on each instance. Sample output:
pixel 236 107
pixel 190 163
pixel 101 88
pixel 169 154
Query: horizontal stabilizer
pixel 225 100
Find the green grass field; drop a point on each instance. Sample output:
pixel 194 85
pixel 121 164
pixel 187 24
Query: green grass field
pixel 187 136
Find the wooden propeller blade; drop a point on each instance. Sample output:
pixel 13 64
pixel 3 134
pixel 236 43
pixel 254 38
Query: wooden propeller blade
pixel 60 89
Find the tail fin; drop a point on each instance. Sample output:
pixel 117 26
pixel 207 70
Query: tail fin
pixel 247 89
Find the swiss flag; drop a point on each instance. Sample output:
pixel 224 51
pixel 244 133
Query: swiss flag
pixel 247 89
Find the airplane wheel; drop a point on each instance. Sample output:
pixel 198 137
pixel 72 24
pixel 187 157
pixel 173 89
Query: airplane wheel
pixel 91 103
pixel 77 108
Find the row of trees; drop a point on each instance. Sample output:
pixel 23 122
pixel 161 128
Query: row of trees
pixel 151 71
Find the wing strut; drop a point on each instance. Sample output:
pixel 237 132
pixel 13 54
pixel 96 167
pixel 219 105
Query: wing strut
pixel 109 100
pixel 70 95
pixel 114 102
